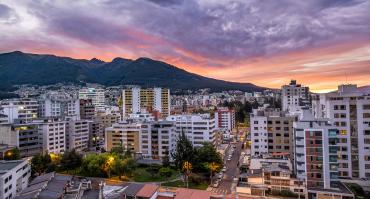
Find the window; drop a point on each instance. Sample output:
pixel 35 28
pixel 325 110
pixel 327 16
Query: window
pixel 255 122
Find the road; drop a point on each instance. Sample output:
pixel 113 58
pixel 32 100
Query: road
pixel 225 185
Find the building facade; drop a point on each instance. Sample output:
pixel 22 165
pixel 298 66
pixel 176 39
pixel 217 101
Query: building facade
pixel 294 96
pixel 225 118
pixel 14 177
pixel 96 95
pixel 19 110
pixel 349 110
pixel 137 100
pixel 52 133
pixel 54 104
pixel 198 128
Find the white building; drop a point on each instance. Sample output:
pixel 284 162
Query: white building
pixel 14 177
pixel 54 104
pixel 198 128
pixel 225 118
pixel 52 133
pixel 147 139
pixel 77 134
pixel 349 110
pixel 259 134
pixel 96 95
pixel 22 110
pixel 294 97
pixel 316 151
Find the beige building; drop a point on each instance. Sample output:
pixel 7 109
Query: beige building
pixel 152 100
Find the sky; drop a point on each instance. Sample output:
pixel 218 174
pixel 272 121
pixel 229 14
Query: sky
pixel 321 43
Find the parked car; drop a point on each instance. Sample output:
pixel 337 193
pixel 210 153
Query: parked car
pixel 216 184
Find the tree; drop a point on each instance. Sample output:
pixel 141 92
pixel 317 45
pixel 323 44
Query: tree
pixel 213 167
pixel 166 160
pixel 128 154
pixel 165 172
pixel 184 151
pixel 13 154
pixel 119 167
pixel 71 160
pixel 41 164
pixel 205 155
pixel 117 150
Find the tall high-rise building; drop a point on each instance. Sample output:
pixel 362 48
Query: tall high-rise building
pixel 272 132
pixel 97 96
pixel 198 128
pixel 349 110
pixel 19 110
pixel 225 118
pixel 316 157
pixel 294 96
pixel 55 104
pixel 135 100
pixel 77 134
pixel 52 131
pixel 87 109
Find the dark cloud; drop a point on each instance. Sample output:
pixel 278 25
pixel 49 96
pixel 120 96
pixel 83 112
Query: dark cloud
pixel 7 14
pixel 216 29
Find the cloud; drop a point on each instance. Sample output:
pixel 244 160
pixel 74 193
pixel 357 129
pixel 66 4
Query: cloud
pixel 207 36
pixel 7 15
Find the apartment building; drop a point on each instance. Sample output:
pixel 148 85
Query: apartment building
pixel 349 110
pixel 19 110
pixel 225 118
pixel 77 134
pixel 14 177
pixel 96 136
pixel 198 128
pixel 272 132
pixel 96 95
pixel 316 157
pixel 87 109
pixel 294 96
pixel 52 131
pixel 23 136
pixel 147 139
pixel 152 100
pixel 57 104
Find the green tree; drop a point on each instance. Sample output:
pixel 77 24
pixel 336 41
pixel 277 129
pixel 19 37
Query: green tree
pixel 165 172
pixel 41 164
pixel 71 160
pixel 119 167
pixel 13 154
pixel 166 160
pixel 205 155
pixel 184 151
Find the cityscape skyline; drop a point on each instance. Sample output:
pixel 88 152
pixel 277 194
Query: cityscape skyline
pixel 321 43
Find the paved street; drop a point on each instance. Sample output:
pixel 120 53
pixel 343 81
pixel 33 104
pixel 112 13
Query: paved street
pixel 225 184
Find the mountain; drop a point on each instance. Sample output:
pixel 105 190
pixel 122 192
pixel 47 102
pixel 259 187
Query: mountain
pixel 25 68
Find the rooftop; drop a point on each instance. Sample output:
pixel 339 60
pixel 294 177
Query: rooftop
pixel 5 166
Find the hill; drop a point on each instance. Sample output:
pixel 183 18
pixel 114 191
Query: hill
pixel 25 68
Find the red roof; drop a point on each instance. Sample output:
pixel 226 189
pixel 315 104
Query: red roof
pixel 147 191
pixel 192 194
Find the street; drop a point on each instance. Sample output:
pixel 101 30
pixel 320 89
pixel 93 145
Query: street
pixel 225 185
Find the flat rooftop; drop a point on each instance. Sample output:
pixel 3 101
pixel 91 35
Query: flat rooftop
pixel 6 165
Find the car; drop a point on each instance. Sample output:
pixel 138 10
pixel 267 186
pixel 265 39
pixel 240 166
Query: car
pixel 223 169
pixel 216 184
pixel 235 180
pixel 220 175
pixel 228 159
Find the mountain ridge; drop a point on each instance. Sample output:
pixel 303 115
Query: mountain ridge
pixel 44 69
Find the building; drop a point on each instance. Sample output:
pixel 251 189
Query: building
pixel 52 133
pixel 23 136
pixel 96 136
pixel 225 118
pixel 349 110
pixel 96 95
pixel 14 176
pixel 77 134
pixel 87 109
pixel 151 100
pixel 316 157
pixel 56 104
pixel 294 96
pixel 272 132
pixel 198 128
pixel 3 119
pixel 19 110
pixel 147 139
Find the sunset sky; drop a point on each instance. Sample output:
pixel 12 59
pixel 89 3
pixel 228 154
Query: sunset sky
pixel 321 43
